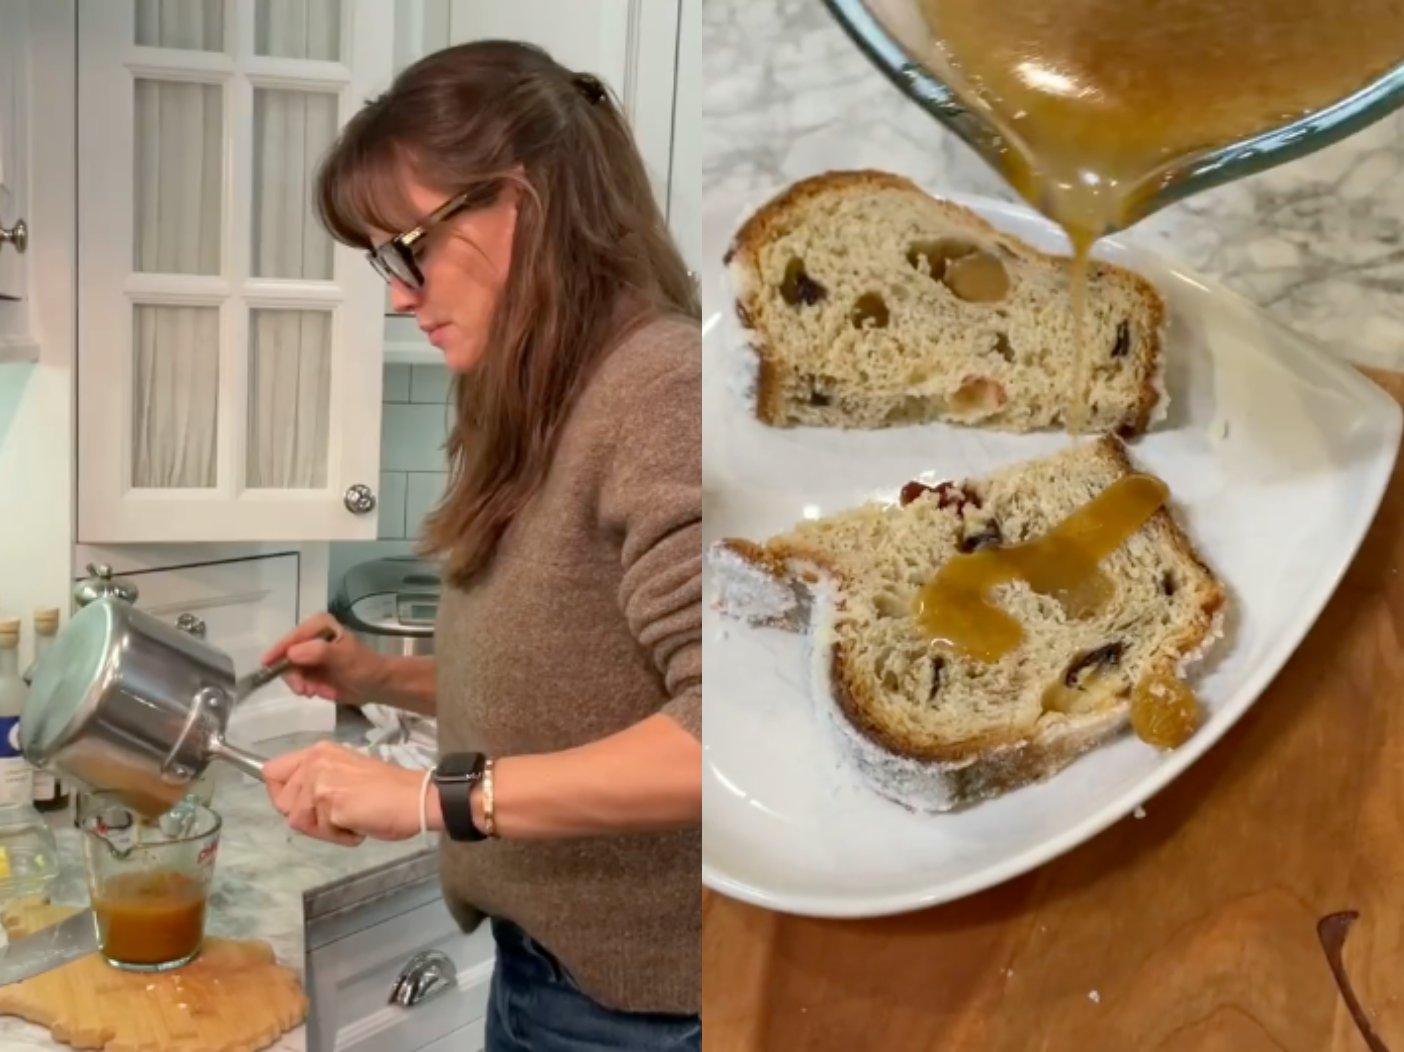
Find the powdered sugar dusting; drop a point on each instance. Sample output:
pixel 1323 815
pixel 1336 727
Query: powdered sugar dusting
pixel 738 342
pixel 749 593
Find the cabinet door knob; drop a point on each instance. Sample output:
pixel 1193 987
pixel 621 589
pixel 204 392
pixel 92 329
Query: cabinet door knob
pixel 191 624
pixel 17 235
pixel 360 499
pixel 425 975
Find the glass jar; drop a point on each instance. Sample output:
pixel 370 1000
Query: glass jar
pixel 148 880
pixel 895 36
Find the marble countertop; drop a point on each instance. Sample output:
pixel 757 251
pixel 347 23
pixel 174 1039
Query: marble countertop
pixel 262 871
pixel 1319 243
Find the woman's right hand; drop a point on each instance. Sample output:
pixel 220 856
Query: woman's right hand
pixel 343 670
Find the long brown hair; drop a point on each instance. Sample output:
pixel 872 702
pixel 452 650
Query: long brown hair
pixel 592 256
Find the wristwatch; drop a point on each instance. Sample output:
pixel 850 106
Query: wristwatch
pixel 455 776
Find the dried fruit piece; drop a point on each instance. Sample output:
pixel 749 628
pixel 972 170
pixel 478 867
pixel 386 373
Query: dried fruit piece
pixel 1105 656
pixel 933 257
pixel 938 666
pixel 798 288
pixel 978 396
pixel 1164 711
pixel 977 278
pixel 911 491
pixel 988 536
pixel 948 495
pixel 1078 690
pixel 1122 347
pixel 1167 584
pixel 869 312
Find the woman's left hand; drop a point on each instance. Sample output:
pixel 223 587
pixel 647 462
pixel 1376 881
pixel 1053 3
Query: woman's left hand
pixel 334 794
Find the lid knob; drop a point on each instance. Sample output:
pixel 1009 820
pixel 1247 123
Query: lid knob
pixel 100 584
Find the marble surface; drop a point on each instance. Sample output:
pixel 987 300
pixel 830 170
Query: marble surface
pixel 1319 243
pixel 261 872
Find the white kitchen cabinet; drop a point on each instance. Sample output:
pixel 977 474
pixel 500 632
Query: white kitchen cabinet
pixel 421 27
pixel 648 51
pixel 350 975
pixel 14 110
pixel 471 1038
pixel 629 44
pixel 240 605
pixel 229 364
pixel 685 172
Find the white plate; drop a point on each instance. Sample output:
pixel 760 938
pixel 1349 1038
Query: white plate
pixel 1278 508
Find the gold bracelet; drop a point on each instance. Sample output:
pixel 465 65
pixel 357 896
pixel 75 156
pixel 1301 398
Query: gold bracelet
pixel 489 816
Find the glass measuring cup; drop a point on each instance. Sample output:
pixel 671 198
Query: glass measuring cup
pixel 896 38
pixel 148 880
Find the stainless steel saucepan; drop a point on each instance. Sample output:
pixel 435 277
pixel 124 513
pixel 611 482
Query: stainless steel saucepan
pixel 126 702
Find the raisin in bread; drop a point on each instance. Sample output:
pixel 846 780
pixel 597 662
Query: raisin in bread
pixel 935 731
pixel 868 303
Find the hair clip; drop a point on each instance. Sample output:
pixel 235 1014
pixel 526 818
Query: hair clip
pixel 589 86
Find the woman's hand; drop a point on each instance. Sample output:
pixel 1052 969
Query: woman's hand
pixel 343 670
pixel 334 794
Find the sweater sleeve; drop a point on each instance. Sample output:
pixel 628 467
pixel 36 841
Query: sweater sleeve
pixel 652 499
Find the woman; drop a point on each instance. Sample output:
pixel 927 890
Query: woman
pixel 503 198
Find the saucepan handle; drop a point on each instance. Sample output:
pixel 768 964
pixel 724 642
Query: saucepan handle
pixel 244 760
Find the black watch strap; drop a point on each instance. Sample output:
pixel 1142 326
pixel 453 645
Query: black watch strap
pixel 455 776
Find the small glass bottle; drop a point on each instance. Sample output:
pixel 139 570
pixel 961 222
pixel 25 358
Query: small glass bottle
pixel 50 792
pixel 28 852
pixel 16 775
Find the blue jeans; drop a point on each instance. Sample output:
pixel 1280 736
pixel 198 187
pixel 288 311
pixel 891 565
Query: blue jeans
pixel 535 1006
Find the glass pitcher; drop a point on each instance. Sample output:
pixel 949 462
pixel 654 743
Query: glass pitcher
pixel 896 37
pixel 148 880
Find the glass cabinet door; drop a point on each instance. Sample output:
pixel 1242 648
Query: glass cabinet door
pixel 229 351
pixel 14 107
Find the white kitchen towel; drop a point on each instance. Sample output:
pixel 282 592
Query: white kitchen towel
pixel 401 737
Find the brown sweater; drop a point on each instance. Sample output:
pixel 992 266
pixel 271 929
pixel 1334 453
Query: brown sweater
pixel 588 620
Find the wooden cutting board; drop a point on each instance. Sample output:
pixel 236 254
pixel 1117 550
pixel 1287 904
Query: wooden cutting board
pixel 234 997
pixel 1193 929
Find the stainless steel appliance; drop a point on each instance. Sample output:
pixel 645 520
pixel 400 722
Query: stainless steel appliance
pixel 390 605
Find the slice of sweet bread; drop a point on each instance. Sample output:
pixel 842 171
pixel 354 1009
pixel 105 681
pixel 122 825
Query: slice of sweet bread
pixel 926 726
pixel 868 303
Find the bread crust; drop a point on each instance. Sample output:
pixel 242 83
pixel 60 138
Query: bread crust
pixel 774 216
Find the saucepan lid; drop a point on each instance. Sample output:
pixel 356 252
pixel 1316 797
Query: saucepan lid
pixel 68 683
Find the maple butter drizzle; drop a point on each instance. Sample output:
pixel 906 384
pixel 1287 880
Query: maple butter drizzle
pixel 1098 102
pixel 954 608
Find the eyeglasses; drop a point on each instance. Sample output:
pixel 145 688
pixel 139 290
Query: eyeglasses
pixel 398 258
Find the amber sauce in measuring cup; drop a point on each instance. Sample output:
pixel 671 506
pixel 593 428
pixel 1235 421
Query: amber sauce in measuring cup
pixel 150 918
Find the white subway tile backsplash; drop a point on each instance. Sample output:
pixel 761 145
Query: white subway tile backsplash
pixel 396 384
pixel 393 486
pixel 429 383
pixel 414 425
pixel 412 437
pixel 422 493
